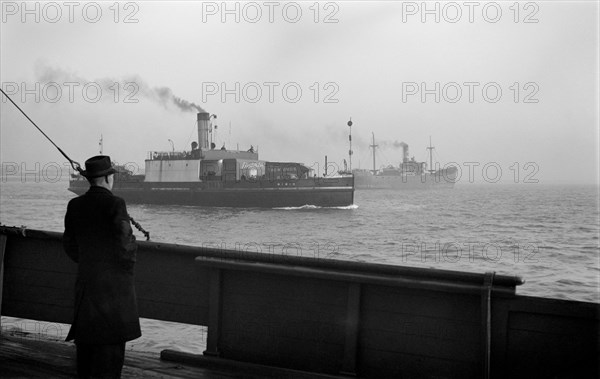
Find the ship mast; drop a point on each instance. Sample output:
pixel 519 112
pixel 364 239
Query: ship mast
pixel 373 146
pixel 430 148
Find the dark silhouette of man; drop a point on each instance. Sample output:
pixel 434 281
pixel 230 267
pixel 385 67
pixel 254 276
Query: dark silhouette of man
pixel 99 238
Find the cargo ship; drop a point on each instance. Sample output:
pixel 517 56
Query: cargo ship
pixel 409 174
pixel 206 176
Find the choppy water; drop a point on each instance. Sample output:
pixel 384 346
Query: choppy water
pixel 545 234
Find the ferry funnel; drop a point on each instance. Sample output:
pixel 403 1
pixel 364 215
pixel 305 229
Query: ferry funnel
pixel 404 152
pixel 203 120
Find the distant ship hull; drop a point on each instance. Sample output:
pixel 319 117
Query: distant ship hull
pixel 409 174
pixel 323 192
pixel 440 179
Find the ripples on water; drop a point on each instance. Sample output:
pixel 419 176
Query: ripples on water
pixel 546 234
pixel 542 233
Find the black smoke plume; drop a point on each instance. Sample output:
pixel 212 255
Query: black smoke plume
pixel 133 86
pixel 165 96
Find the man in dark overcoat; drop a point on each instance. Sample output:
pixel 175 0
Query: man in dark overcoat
pixel 99 238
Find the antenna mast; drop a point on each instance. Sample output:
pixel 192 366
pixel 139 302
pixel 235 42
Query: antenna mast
pixel 373 146
pixel 430 148
pixel 350 139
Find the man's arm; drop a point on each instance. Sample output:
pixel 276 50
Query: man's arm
pixel 125 240
pixel 69 241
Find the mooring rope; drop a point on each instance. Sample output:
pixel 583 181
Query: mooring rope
pixel 139 227
pixel 76 166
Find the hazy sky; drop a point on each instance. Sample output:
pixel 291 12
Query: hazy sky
pixel 381 63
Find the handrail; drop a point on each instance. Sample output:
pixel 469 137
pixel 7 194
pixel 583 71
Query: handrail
pixel 317 273
pixel 417 273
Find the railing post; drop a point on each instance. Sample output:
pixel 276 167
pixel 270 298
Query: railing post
pixel 214 313
pixel 3 239
pixel 486 322
pixel 352 326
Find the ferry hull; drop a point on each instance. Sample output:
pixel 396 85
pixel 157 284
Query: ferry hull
pixel 330 192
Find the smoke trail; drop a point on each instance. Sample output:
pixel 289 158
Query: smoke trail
pixel 166 96
pixel 134 84
pixel 393 145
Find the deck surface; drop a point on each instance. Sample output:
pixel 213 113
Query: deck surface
pixel 29 358
pixel 26 357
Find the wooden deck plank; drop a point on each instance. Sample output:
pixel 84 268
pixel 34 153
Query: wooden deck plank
pixel 29 356
pixel 26 357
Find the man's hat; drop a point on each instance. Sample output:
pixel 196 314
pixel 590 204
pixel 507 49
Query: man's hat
pixel 98 166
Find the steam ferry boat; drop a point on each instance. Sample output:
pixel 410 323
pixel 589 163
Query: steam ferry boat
pixel 207 176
